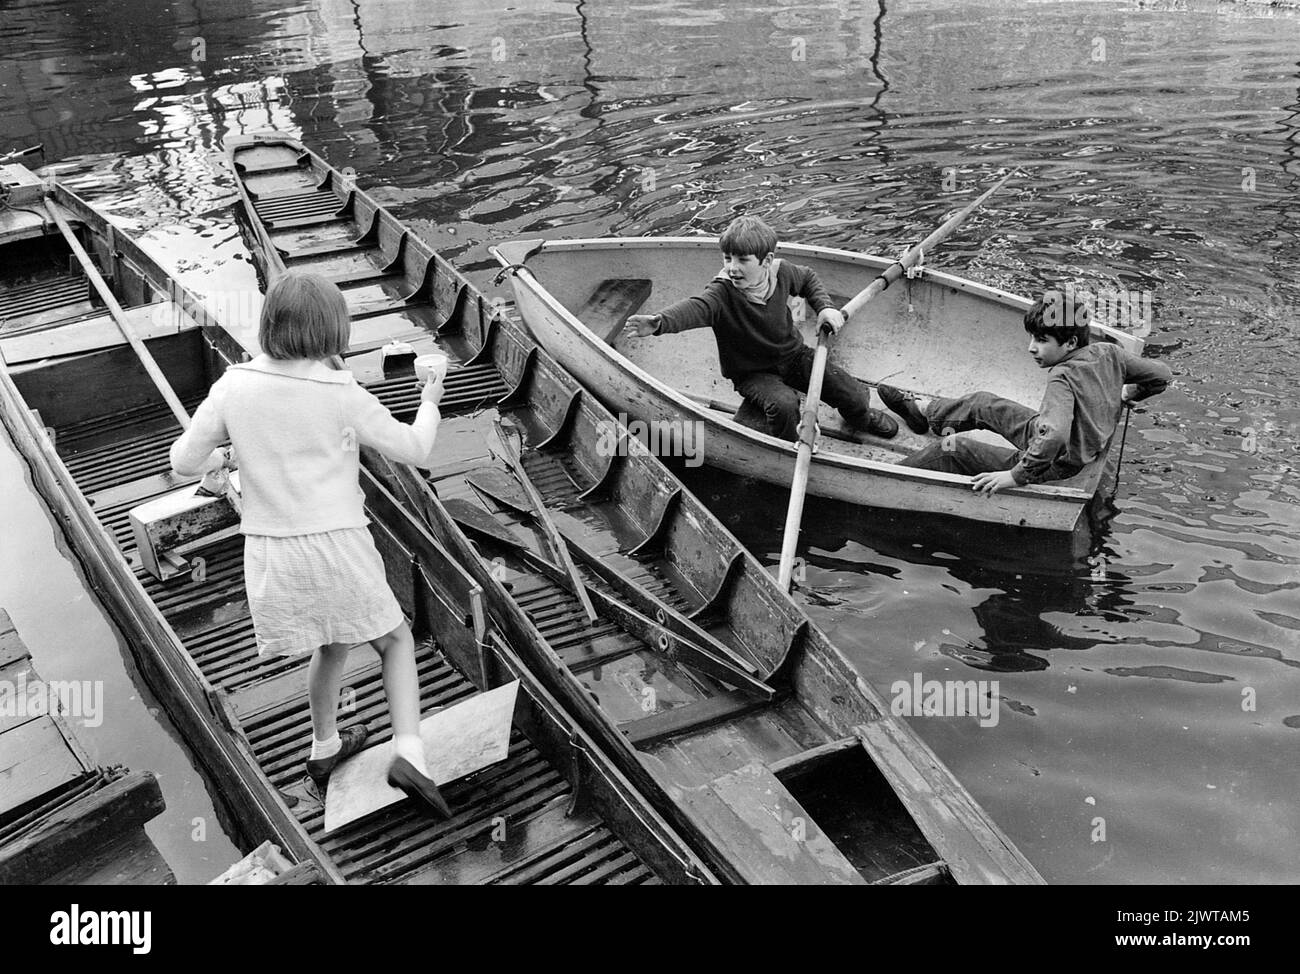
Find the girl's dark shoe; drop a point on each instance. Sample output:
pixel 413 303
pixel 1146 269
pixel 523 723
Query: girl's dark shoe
pixel 354 739
pixel 403 775
pixel 904 404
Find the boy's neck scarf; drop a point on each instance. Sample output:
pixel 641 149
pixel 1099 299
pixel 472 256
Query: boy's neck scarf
pixel 760 292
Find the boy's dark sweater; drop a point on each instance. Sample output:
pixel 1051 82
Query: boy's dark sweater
pixel 751 337
pixel 1081 406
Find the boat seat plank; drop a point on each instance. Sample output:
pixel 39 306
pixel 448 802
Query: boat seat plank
pixel 512 860
pixel 298 223
pixel 612 303
pixel 771 837
pixel 690 717
pixel 92 334
pixel 134 492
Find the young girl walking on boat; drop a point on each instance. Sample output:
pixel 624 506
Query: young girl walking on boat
pixel 314 580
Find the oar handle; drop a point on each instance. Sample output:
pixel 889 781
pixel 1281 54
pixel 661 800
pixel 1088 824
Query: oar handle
pixel 119 316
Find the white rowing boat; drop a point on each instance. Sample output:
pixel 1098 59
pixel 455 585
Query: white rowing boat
pixel 934 333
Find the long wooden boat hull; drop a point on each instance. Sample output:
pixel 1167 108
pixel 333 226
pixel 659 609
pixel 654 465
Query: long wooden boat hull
pixel 936 334
pixel 90 425
pixel 770 755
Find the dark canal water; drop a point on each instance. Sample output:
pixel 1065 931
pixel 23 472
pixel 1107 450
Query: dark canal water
pixel 1150 675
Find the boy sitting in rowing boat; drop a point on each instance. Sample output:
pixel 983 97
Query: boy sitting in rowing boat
pixel 1080 409
pixel 759 348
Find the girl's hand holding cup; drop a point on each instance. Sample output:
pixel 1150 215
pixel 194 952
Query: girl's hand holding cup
pixel 431 370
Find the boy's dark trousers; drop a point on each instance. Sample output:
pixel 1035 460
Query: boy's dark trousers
pixel 966 455
pixel 772 398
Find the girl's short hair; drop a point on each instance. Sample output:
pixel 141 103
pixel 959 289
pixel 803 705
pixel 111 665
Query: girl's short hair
pixel 304 316
pixel 748 235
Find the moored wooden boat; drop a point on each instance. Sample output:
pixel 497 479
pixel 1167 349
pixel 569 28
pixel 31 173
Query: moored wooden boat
pixel 91 427
pixel 705 684
pixel 935 334
pixel 63 820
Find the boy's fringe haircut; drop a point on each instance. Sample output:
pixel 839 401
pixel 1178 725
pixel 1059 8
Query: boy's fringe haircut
pixel 304 316
pixel 747 235
pixel 1054 316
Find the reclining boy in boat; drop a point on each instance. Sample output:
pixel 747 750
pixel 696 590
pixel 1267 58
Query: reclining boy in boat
pixel 1078 414
pixel 759 348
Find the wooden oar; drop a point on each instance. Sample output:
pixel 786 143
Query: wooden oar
pixel 553 536
pixel 634 594
pixel 119 317
pixel 808 424
pixel 655 633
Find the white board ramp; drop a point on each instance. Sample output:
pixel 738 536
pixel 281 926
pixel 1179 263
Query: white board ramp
pixel 458 741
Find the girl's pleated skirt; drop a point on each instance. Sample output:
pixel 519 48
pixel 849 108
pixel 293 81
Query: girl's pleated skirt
pixel 308 590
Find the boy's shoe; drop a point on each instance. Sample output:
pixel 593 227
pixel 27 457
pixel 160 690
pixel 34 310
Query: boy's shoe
pixel 354 739
pixel 880 424
pixel 403 775
pixel 904 404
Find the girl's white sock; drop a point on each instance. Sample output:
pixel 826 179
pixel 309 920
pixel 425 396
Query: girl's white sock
pixel 326 748
pixel 410 746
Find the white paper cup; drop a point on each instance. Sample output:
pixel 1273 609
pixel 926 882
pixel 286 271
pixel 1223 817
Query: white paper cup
pixel 431 367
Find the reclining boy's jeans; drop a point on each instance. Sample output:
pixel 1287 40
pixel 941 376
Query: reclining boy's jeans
pixel 966 455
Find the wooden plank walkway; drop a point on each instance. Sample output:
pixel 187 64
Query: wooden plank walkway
pixel 63 820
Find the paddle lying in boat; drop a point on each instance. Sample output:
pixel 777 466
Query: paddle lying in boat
pixel 934 334
pixel 814 782
pixel 88 420
pixel 808 427
pixel 506 451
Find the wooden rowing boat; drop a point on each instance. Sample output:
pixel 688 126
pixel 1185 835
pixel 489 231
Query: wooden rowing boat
pixel 702 681
pixel 935 334
pixel 63 820
pixel 89 423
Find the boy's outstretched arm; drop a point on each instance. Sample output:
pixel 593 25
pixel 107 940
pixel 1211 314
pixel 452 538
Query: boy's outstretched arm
pixel 700 311
pixel 1151 377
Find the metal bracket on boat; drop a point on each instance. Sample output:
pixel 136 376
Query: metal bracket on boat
pixel 916 270
pixel 516 267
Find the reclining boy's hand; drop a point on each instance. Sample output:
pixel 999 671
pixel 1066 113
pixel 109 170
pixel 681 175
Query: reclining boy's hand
pixel 641 326
pixel 831 318
pixel 993 481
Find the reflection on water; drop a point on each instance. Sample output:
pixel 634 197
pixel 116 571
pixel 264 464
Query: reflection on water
pixel 1148 672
